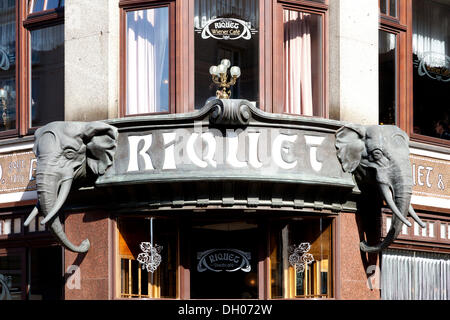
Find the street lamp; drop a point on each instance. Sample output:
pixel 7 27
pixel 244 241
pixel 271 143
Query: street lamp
pixel 220 78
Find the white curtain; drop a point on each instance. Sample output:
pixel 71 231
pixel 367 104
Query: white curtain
pixel 409 275
pixel 47 39
pixel 147 60
pixel 206 10
pixel 431 25
pixel 7 25
pixel 297 61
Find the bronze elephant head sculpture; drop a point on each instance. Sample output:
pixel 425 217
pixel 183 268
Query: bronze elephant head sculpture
pixel 380 154
pixel 68 151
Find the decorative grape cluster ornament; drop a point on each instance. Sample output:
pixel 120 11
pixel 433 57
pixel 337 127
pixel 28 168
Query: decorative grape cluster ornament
pixel 150 258
pixel 299 258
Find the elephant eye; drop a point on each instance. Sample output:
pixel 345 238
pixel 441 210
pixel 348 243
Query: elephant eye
pixel 70 154
pixel 377 154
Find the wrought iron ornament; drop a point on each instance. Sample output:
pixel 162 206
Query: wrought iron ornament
pixel 150 258
pixel 299 258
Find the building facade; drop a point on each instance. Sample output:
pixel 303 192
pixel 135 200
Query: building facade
pixel 187 196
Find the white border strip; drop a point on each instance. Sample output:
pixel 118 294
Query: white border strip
pixel 18 196
pixel 431 202
pixel 17 147
pixel 430 154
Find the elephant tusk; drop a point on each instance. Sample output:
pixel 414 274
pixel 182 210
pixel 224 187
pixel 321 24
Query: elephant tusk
pixel 62 196
pixel 390 201
pixel 32 215
pixel 415 216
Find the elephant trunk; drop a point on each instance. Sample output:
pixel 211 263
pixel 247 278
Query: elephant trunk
pixel 50 201
pixel 399 202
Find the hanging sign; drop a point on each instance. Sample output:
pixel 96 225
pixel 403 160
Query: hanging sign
pixel 227 29
pixel 435 65
pixel 229 260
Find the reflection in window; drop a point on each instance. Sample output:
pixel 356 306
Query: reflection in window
pixel 387 77
pixel 314 279
pixel 42 5
pixel 148 61
pixel 137 282
pixel 47 73
pixel 11 274
pixel 8 66
pixel 212 45
pixel 302 63
pixel 431 67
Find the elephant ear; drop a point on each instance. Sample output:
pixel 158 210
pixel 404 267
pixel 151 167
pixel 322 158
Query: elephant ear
pixel 350 146
pixel 101 142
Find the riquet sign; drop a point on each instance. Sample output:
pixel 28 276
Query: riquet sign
pixel 227 29
pixel 431 177
pixel 198 149
pixel 229 260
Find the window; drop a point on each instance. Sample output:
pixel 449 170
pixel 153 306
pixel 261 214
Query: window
pixel 277 45
pixel 389 8
pixel 157 277
pixel 35 97
pixel 192 257
pixel 149 47
pixel 300 255
pixel 411 275
pixel 12 274
pixel 392 64
pixel 388 68
pixel 431 68
pixel 299 49
pixel 43 5
pixel 227 30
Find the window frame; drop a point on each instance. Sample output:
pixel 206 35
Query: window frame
pixel 182 68
pixel 388 15
pixel 278 83
pixel 184 263
pixel 134 5
pixel 25 23
pixel 409 110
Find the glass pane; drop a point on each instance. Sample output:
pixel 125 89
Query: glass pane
pixel 224 260
pixel 137 279
pixel 8 66
pixel 300 258
pixel 302 63
pixel 11 276
pixel 148 61
pixel 226 30
pixel 431 67
pixel 387 77
pixel 38 5
pixel 393 8
pixel 52 4
pixel 383 6
pixel 47 73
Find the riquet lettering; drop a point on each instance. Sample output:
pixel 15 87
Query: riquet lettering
pixel 234 149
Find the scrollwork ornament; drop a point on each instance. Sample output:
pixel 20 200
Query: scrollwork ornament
pixel 150 259
pixel 230 112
